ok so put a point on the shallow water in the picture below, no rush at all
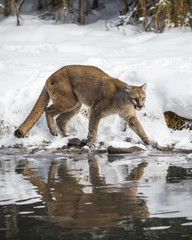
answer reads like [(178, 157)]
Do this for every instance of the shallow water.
[(57, 195)]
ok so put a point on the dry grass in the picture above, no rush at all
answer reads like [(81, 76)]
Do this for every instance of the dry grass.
[(158, 14), (177, 122)]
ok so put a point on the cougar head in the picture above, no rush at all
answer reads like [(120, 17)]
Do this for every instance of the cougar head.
[(137, 96)]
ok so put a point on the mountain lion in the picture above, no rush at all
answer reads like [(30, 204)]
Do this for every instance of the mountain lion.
[(72, 86)]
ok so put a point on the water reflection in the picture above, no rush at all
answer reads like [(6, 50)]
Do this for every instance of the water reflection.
[(92, 196), (176, 174), (84, 201)]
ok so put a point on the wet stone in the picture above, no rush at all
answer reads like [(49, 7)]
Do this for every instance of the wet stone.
[(75, 142), (114, 150), (35, 150)]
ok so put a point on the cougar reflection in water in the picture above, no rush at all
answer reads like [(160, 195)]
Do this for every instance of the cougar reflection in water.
[(92, 200)]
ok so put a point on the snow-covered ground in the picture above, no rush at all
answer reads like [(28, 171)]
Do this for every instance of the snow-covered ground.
[(32, 52)]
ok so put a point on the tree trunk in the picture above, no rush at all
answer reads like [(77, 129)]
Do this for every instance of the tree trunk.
[(21, 4), (7, 10), (126, 6), (143, 6), (79, 12), (95, 4), (65, 6), (87, 8), (83, 11), (40, 5), (53, 3), (81, 15), (16, 10)]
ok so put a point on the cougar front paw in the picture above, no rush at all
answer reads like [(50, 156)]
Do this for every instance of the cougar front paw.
[(153, 144), (90, 144)]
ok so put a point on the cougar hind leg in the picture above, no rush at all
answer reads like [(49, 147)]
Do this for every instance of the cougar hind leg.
[(64, 101), (66, 113), (50, 112), (64, 118)]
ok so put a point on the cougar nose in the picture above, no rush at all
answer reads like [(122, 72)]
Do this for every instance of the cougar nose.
[(139, 107)]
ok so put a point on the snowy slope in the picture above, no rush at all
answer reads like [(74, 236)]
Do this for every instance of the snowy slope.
[(30, 53)]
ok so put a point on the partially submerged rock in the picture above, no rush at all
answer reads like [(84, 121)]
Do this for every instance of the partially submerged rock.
[(75, 142), (78, 144), (35, 150), (116, 150)]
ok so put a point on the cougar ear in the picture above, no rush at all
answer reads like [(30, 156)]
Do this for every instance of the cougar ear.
[(127, 88), (143, 87)]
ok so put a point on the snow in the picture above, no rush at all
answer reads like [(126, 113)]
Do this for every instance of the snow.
[(32, 52)]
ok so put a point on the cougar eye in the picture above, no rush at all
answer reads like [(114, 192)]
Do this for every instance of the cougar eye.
[(143, 98), (135, 99)]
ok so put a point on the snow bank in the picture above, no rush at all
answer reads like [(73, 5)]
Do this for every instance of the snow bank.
[(30, 53)]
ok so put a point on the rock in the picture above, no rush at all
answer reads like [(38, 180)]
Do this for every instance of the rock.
[(84, 141), (35, 150), (115, 157), (19, 146), (74, 142), (114, 150)]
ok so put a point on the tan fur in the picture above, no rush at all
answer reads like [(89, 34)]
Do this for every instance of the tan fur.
[(72, 86)]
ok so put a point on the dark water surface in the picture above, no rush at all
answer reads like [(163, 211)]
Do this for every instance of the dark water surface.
[(55, 195)]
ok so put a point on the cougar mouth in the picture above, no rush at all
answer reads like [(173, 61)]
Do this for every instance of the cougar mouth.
[(137, 108)]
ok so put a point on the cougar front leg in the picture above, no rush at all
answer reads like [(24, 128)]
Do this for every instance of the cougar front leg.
[(136, 126)]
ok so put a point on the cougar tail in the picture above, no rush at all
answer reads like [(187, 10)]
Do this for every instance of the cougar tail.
[(34, 115)]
